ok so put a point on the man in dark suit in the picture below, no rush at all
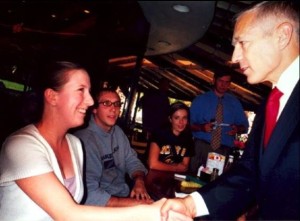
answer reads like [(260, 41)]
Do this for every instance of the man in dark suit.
[(266, 45)]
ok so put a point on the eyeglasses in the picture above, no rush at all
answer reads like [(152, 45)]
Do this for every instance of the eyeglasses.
[(109, 103)]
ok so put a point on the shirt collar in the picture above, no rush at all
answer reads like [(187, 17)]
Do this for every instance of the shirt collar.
[(95, 127), (289, 78)]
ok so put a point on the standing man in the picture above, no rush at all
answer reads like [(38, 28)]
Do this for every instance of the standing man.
[(266, 45), (109, 157), (204, 122)]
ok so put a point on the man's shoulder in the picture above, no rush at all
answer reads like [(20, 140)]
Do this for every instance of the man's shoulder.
[(204, 96), (84, 133), (231, 97), (119, 132), (118, 129)]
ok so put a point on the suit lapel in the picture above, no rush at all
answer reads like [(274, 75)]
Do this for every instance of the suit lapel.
[(284, 128)]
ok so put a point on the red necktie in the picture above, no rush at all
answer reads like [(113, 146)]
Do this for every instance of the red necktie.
[(271, 113)]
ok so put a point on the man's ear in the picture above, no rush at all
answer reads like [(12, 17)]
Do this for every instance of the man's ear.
[(50, 96), (284, 32)]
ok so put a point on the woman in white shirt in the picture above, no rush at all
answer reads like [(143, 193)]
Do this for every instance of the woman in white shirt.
[(41, 164)]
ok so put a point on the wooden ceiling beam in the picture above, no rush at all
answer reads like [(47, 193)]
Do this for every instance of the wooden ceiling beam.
[(206, 75)]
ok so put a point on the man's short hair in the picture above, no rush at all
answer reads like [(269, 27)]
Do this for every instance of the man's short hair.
[(219, 74)]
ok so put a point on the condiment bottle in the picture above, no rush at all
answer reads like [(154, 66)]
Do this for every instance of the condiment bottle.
[(214, 174), (229, 163)]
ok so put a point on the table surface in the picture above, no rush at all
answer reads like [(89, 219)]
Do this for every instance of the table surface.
[(162, 184)]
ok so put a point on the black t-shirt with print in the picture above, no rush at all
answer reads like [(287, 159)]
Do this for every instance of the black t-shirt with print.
[(173, 148)]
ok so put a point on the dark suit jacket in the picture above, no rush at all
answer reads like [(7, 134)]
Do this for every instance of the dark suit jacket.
[(269, 178)]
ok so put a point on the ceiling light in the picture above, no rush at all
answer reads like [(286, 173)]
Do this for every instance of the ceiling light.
[(181, 8), (150, 49), (164, 43)]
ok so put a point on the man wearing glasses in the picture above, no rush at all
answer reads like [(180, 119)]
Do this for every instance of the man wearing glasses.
[(109, 157)]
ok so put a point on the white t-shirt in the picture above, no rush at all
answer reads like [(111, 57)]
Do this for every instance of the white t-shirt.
[(26, 153)]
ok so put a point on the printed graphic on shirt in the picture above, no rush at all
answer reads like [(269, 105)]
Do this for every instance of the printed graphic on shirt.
[(172, 154), (108, 159), (109, 164)]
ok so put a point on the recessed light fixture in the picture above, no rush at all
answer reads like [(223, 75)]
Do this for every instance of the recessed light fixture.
[(86, 11), (181, 8), (164, 43), (150, 49)]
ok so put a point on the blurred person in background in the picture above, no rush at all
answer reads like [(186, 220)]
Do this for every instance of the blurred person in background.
[(109, 157), (203, 118), (171, 147)]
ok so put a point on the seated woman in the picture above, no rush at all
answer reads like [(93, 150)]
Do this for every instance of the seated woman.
[(170, 148), (41, 164)]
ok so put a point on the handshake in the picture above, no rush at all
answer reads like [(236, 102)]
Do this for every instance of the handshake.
[(177, 209)]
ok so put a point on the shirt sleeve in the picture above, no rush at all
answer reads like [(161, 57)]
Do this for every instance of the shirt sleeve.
[(241, 118), (201, 208), (132, 161), (17, 157), (194, 111)]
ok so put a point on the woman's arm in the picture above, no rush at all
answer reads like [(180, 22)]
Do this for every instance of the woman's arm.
[(154, 163), (48, 193), (185, 164)]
